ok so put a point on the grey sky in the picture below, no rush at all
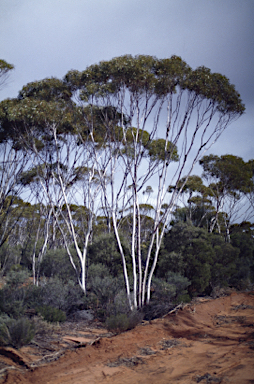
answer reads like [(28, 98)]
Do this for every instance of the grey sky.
[(48, 38)]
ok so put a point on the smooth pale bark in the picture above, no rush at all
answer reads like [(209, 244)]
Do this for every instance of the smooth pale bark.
[(36, 261), (69, 220)]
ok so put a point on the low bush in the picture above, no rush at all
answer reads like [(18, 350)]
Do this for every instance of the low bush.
[(51, 314), (103, 289), (65, 296), (16, 277), (118, 323), (184, 298), (43, 328), (16, 333), (13, 293), (181, 285), (12, 308), (123, 322), (56, 264)]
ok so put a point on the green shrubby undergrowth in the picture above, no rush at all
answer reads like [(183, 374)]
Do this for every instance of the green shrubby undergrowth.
[(16, 332), (192, 262)]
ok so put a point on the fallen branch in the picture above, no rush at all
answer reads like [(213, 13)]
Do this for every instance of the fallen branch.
[(176, 309)]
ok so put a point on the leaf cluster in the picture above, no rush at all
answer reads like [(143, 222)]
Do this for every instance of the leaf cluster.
[(230, 172), (148, 75)]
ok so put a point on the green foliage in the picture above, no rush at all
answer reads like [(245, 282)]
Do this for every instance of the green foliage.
[(224, 265), (230, 173), (47, 89), (199, 256), (13, 308), (5, 68), (42, 327), (63, 297), (10, 258), (16, 333), (163, 291), (51, 314), (12, 295), (16, 278), (58, 294), (104, 250), (242, 238), (158, 150), (32, 296), (118, 323), (166, 292), (102, 284), (180, 284), (25, 121), (107, 295), (215, 87), (123, 322), (204, 259), (189, 253), (56, 264), (147, 74)]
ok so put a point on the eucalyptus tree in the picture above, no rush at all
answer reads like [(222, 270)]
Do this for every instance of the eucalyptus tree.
[(12, 164), (5, 69), (13, 230), (230, 182), (250, 193), (47, 128), (158, 117), (194, 205), (41, 216)]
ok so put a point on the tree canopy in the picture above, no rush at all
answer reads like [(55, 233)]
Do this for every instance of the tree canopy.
[(5, 69)]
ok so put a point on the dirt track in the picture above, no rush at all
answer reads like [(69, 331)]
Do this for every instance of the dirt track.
[(209, 341)]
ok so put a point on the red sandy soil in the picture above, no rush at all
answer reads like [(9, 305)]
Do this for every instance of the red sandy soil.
[(208, 341)]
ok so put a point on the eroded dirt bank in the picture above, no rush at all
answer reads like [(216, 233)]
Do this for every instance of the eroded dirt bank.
[(209, 341)]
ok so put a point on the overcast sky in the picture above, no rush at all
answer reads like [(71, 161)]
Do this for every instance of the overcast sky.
[(50, 37)]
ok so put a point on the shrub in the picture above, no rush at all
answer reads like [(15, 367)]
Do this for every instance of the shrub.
[(161, 299), (16, 332), (56, 263), (13, 308), (12, 295), (181, 284), (120, 304), (16, 278), (15, 299), (165, 294), (32, 296), (11, 302), (123, 322), (42, 327), (104, 288), (104, 250), (184, 298), (118, 323), (64, 296), (51, 314), (9, 257)]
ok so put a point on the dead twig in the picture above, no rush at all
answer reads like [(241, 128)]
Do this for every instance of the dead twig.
[(176, 309)]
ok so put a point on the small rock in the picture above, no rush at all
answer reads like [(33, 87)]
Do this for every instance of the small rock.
[(86, 315)]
